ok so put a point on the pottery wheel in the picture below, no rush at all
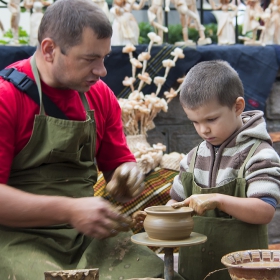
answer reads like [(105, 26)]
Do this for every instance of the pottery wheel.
[(143, 239)]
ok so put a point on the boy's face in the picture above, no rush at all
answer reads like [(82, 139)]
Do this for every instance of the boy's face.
[(214, 122)]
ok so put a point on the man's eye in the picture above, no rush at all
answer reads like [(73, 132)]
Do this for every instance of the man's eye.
[(89, 60)]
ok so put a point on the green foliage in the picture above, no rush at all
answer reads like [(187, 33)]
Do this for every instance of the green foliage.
[(175, 33), (240, 32), (211, 32), (145, 28), (23, 37)]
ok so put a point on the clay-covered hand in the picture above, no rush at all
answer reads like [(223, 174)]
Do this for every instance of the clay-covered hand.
[(200, 203), (138, 219), (96, 217), (126, 182)]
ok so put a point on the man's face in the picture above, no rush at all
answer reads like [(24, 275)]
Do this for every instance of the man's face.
[(213, 122), (82, 65)]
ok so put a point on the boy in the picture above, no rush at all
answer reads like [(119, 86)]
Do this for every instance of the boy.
[(231, 179)]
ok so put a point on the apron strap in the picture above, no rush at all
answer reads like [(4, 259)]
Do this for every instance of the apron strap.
[(84, 100), (38, 82), (191, 167), (252, 150)]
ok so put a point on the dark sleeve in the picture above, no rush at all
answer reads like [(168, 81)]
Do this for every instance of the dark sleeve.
[(270, 200)]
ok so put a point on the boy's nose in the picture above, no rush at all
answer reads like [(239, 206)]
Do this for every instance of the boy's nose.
[(204, 129)]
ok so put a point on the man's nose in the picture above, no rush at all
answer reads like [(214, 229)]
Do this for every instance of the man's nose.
[(100, 70)]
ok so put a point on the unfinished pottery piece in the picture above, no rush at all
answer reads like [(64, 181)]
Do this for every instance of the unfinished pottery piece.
[(78, 274), (166, 223), (253, 264)]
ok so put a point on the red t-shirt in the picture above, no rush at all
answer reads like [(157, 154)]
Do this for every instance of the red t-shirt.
[(17, 112)]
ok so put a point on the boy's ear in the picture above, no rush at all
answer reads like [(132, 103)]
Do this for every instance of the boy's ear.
[(239, 105)]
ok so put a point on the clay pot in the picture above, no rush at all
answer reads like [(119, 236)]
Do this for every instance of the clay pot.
[(167, 223), (253, 264)]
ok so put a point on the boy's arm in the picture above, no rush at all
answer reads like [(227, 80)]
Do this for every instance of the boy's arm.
[(249, 210)]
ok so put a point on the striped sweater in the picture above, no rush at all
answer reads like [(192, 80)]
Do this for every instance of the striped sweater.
[(216, 168)]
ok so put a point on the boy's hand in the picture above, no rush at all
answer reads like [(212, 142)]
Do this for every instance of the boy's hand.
[(200, 203), (138, 219)]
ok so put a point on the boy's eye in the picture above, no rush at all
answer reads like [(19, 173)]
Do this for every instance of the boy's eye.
[(211, 120)]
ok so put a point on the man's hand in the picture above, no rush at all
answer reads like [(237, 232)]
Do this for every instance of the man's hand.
[(97, 218), (200, 203), (126, 182)]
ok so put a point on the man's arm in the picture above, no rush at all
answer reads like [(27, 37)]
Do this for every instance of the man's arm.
[(92, 216)]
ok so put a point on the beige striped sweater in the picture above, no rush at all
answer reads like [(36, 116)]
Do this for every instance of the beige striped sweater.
[(262, 171)]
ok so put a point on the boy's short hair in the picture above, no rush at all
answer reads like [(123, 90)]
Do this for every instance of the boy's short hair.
[(210, 80), (65, 20)]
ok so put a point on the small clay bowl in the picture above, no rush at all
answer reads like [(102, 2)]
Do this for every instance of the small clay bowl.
[(166, 223), (253, 264)]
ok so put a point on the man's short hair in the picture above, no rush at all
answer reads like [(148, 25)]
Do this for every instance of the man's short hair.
[(65, 20), (210, 80)]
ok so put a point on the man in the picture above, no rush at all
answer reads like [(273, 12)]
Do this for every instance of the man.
[(49, 218)]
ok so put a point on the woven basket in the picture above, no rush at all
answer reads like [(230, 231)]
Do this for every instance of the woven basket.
[(134, 141)]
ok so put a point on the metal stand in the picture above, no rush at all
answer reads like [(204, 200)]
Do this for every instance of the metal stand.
[(168, 245), (168, 264)]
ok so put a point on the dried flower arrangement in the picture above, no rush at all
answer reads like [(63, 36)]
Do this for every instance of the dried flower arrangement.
[(139, 110)]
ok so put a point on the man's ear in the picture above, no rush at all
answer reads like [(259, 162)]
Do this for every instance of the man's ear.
[(48, 49), (239, 105)]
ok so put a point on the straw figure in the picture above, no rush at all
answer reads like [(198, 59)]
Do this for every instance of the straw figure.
[(125, 27), (2, 27), (226, 29), (155, 16), (14, 8), (35, 20), (271, 17), (189, 17), (104, 6), (253, 14)]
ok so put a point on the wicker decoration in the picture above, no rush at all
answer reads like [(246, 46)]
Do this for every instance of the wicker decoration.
[(171, 161)]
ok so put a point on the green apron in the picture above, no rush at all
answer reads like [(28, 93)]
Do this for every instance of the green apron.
[(59, 160), (224, 233)]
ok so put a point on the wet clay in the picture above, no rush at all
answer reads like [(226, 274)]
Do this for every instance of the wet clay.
[(166, 223), (80, 274)]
